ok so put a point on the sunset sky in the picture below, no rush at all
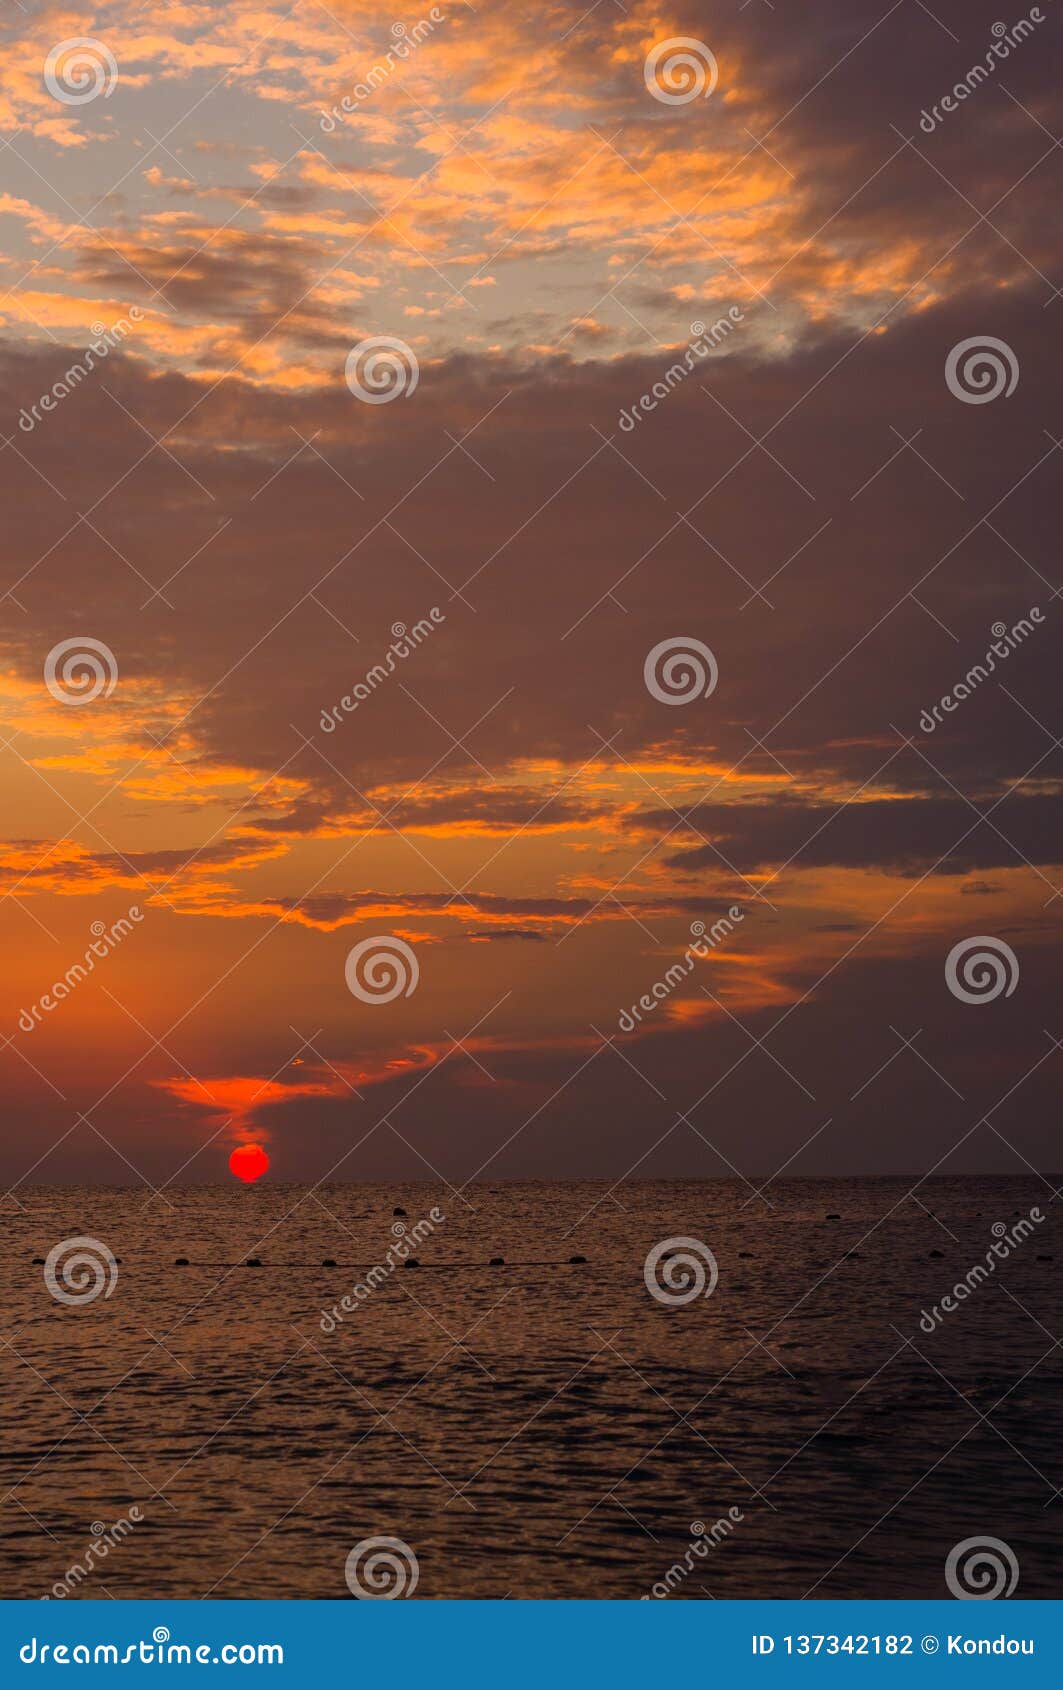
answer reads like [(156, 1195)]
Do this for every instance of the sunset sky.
[(216, 506)]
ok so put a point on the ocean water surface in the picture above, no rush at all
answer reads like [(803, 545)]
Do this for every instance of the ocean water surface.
[(537, 1427)]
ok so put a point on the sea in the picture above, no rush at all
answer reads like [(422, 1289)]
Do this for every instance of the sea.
[(675, 1391)]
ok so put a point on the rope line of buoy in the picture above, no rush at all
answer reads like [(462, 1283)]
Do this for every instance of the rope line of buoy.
[(367, 1267), (362, 1267)]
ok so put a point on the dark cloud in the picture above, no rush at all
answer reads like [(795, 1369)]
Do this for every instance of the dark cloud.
[(521, 934), (879, 593), (902, 835)]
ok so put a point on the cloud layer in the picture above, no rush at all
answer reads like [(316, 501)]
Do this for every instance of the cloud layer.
[(382, 668)]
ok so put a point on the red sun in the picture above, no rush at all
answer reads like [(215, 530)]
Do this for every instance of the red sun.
[(248, 1162)]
